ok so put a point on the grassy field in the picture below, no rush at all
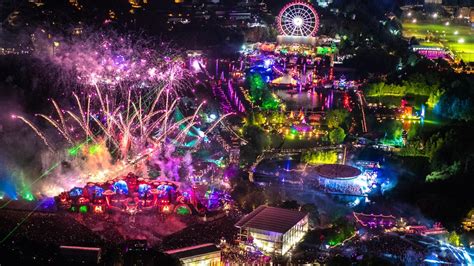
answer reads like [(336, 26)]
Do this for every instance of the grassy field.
[(449, 37)]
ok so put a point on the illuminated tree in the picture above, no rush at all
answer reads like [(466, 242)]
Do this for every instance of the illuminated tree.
[(320, 157), (337, 135), (335, 118), (434, 98), (256, 87), (260, 94), (444, 173), (454, 239)]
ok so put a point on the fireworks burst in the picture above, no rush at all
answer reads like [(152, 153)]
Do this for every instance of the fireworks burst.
[(125, 130), (119, 63)]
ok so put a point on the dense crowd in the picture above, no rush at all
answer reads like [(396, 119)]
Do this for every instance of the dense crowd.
[(200, 233), (235, 255), (391, 247), (34, 237)]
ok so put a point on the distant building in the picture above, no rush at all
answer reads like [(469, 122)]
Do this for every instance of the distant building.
[(463, 12), (323, 3), (433, 2), (239, 15), (273, 230), (205, 254)]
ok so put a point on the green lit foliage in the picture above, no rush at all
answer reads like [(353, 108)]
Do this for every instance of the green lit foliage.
[(454, 239), (427, 148), (444, 173), (343, 230), (260, 94), (325, 50), (434, 98), (270, 102), (277, 118), (416, 84), (256, 87), (256, 118), (335, 118), (337, 135), (320, 157)]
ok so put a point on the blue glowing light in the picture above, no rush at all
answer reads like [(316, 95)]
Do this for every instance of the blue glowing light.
[(267, 63), (75, 192), (98, 191), (120, 187), (8, 190)]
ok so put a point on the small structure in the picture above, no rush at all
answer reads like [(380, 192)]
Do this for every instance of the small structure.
[(81, 255), (273, 230), (375, 221), (205, 254)]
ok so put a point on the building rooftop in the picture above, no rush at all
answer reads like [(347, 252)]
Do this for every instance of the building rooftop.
[(193, 251), (271, 219)]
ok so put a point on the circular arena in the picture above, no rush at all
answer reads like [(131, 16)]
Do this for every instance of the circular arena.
[(339, 179), (337, 171)]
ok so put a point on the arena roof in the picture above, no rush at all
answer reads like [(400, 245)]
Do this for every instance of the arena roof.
[(337, 171), (271, 219), (193, 251)]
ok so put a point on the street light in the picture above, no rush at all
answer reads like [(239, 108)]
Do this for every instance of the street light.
[(435, 15), (413, 20), (461, 40)]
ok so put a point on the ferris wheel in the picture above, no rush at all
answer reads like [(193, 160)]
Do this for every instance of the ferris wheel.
[(298, 19)]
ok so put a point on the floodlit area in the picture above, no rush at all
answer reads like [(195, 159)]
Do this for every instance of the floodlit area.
[(457, 38)]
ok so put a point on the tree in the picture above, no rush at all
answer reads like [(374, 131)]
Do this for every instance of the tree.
[(337, 135), (320, 157), (434, 98), (454, 239), (260, 94), (336, 117), (257, 137), (444, 173), (256, 87)]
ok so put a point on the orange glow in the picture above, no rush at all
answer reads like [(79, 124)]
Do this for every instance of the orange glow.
[(98, 209)]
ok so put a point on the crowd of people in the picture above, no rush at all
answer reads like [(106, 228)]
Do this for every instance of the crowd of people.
[(236, 255), (200, 233), (391, 247), (33, 237)]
